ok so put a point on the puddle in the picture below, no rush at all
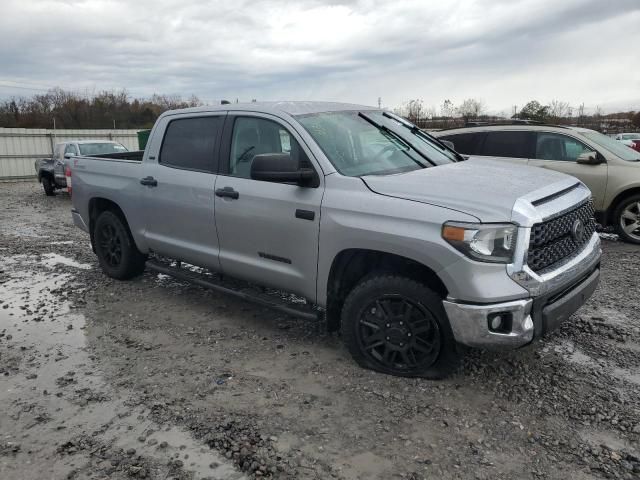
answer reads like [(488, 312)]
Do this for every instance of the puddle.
[(180, 445), (56, 375), (53, 259)]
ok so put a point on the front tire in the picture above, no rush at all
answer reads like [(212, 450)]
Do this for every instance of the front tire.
[(48, 187), (398, 326), (627, 219), (117, 252)]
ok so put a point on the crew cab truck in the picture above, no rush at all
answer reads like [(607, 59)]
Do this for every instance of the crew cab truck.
[(411, 252)]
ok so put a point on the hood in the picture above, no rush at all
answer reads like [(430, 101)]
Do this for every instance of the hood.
[(486, 189)]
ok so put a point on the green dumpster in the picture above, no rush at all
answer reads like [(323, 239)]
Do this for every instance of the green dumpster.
[(143, 136)]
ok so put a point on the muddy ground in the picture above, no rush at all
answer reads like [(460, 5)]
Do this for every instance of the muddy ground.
[(154, 378)]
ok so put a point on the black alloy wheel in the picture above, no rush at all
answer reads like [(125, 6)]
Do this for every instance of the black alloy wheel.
[(398, 333)]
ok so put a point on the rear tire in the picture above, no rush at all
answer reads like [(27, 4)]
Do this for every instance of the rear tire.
[(627, 216), (48, 187), (117, 252), (398, 326)]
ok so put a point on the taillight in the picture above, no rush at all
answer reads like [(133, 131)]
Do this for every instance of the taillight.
[(67, 175)]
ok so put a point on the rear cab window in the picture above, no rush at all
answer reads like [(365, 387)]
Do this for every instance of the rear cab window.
[(190, 143)]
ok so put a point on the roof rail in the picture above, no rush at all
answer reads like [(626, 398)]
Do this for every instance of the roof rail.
[(473, 124)]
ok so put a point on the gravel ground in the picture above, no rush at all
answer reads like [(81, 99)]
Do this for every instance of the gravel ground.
[(156, 378)]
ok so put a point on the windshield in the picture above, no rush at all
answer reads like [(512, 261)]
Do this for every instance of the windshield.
[(100, 148), (631, 136), (614, 146), (356, 146)]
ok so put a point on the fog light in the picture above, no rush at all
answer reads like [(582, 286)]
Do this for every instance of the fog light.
[(500, 322)]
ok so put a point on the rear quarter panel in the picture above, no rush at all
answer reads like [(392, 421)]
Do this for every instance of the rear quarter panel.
[(114, 180)]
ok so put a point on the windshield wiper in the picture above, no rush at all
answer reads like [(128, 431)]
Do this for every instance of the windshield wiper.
[(387, 132), (416, 131)]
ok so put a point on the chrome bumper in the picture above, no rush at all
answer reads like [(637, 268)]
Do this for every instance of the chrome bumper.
[(470, 324), (78, 221)]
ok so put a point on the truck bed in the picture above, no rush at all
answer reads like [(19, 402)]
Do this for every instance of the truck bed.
[(116, 179), (135, 155)]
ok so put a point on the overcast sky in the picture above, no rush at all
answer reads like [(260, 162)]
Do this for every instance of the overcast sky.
[(504, 52)]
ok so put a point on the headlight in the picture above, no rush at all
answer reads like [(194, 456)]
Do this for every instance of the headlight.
[(489, 242)]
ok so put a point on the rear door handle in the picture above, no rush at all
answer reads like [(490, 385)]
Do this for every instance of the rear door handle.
[(228, 192), (149, 181)]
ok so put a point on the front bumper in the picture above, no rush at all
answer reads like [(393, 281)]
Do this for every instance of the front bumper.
[(554, 298)]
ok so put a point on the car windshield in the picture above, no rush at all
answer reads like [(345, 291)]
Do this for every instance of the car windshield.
[(100, 148), (614, 146), (367, 143), (631, 136)]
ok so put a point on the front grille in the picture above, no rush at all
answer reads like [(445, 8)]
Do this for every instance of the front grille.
[(553, 241)]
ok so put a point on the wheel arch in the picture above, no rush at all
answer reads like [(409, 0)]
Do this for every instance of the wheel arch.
[(97, 205), (351, 265)]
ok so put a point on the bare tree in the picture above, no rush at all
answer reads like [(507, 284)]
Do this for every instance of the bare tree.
[(412, 110), (559, 109), (471, 108)]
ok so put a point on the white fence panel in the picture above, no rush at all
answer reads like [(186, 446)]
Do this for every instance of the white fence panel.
[(20, 147)]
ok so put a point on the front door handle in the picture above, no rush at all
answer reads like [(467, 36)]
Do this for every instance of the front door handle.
[(228, 192), (149, 181)]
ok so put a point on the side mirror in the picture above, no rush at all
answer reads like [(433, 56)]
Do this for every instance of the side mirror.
[(280, 168), (68, 155), (589, 158), (449, 144)]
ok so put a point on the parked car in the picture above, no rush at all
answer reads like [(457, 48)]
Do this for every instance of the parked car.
[(407, 249), (628, 139), (51, 170), (610, 169)]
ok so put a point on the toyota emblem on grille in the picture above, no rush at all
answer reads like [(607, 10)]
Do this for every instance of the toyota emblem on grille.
[(577, 230)]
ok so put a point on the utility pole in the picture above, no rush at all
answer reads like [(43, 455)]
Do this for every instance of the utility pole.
[(114, 123), (379, 102)]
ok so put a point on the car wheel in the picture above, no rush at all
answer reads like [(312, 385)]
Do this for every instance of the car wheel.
[(48, 187), (398, 326), (627, 219), (117, 252)]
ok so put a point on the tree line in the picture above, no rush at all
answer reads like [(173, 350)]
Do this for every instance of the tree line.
[(114, 109), (473, 110)]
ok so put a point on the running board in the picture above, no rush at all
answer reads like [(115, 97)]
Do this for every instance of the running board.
[(304, 311)]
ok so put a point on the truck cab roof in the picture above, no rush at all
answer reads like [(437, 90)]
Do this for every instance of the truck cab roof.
[(290, 108)]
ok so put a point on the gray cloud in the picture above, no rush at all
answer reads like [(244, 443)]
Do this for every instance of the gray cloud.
[(502, 51)]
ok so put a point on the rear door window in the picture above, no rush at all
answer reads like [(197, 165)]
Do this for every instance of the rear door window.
[(466, 143), (190, 143), (513, 144)]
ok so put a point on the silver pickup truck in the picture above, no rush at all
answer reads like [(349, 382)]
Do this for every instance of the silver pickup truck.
[(405, 248)]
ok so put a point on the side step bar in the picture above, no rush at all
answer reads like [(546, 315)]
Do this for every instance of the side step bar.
[(264, 300)]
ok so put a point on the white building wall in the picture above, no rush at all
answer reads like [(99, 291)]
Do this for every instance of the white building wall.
[(20, 147)]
